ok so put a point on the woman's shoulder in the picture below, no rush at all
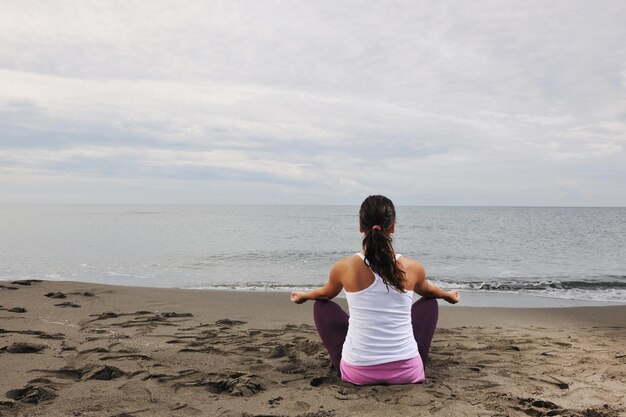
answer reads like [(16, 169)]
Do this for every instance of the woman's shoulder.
[(343, 269), (347, 262), (346, 267), (412, 266)]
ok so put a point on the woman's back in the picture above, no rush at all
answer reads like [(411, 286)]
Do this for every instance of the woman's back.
[(380, 328)]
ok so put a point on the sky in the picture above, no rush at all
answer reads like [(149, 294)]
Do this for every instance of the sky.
[(313, 102)]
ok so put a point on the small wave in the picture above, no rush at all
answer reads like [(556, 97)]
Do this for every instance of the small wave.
[(611, 288), (259, 286), (589, 290), (519, 285)]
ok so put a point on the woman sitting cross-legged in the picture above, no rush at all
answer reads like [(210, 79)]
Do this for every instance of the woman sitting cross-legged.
[(386, 337)]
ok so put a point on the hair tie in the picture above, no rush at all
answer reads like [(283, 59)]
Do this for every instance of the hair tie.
[(376, 227)]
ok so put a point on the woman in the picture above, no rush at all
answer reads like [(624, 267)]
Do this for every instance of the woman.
[(386, 338)]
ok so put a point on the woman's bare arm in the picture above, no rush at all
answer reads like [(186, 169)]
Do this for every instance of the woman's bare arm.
[(427, 289), (332, 288)]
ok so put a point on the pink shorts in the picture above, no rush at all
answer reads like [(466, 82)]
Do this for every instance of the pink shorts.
[(407, 371)]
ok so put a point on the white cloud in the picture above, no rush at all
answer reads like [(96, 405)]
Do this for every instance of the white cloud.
[(438, 102)]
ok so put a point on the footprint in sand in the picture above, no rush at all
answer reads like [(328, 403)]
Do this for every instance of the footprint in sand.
[(170, 314), (83, 293), (202, 349), (236, 384), (68, 304), (63, 373), (55, 295), (231, 413), (99, 349), (33, 393), (23, 348), (290, 368), (14, 309), (105, 373), (275, 401), (226, 323), (534, 407), (40, 334), (162, 377), (25, 281), (144, 318), (320, 380), (280, 351), (8, 287), (90, 372), (129, 356)]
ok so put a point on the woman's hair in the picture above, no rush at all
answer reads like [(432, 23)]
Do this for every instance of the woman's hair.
[(376, 217)]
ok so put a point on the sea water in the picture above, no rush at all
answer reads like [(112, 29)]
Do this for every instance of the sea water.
[(567, 253)]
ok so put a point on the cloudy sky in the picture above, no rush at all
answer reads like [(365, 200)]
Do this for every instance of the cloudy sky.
[(313, 102)]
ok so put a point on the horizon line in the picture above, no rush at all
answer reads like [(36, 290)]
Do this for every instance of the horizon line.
[(304, 204)]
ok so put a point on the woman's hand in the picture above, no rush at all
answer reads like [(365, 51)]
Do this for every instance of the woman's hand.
[(452, 297), (298, 297)]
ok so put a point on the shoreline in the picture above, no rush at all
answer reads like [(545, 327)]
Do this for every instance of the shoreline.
[(104, 350), (470, 297)]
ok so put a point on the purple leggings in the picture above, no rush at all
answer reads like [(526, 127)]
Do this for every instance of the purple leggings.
[(332, 325)]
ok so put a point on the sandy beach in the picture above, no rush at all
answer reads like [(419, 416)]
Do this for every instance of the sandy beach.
[(78, 349)]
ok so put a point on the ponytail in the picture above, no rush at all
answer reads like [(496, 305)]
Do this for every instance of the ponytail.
[(377, 217)]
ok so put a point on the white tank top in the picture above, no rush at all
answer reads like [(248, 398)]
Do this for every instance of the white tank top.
[(379, 329)]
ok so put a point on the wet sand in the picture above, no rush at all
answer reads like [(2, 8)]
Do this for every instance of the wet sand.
[(77, 349)]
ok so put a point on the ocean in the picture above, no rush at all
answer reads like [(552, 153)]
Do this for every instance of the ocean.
[(557, 252)]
